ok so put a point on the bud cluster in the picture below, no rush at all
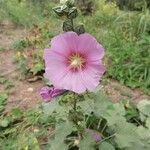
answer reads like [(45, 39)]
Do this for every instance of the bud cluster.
[(68, 10)]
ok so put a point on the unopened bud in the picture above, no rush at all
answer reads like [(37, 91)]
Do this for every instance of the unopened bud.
[(69, 3)]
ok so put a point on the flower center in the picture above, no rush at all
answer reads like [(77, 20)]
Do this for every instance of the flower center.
[(77, 61)]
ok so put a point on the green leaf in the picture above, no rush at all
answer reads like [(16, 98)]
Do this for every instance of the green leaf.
[(87, 143), (3, 98), (148, 122), (60, 10), (80, 29), (126, 136), (106, 146), (72, 13), (54, 106), (144, 107), (50, 107), (28, 141), (143, 133), (17, 113), (69, 3), (67, 26), (62, 130), (101, 103), (114, 114), (37, 68), (87, 106)]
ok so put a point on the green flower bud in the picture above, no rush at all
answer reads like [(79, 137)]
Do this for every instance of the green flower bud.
[(69, 3)]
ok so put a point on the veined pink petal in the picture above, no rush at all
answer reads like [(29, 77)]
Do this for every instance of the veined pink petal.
[(91, 76), (76, 82), (65, 43), (90, 46)]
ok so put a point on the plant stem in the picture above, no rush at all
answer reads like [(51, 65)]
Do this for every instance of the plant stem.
[(75, 104), (145, 6), (111, 136), (72, 24), (75, 109)]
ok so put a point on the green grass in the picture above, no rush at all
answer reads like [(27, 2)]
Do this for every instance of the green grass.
[(127, 43), (25, 13)]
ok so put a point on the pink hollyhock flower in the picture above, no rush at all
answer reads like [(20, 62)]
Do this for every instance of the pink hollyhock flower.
[(74, 62), (48, 93)]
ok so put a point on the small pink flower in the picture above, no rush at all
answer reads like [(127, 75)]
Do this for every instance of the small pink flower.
[(95, 135), (48, 93), (74, 62)]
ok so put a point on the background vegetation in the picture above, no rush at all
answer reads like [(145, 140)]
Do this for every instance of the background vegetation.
[(124, 34), (121, 26)]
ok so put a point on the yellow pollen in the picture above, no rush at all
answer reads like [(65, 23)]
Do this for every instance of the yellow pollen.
[(76, 61)]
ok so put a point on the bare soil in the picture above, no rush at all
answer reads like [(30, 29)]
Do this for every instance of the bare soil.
[(21, 93), (24, 94), (118, 92)]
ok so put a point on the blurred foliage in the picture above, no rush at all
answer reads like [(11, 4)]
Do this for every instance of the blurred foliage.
[(24, 130), (121, 126), (96, 112), (87, 7), (124, 35), (29, 51), (127, 126), (19, 11), (3, 99), (131, 4)]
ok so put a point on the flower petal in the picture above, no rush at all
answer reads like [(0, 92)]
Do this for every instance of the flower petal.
[(65, 43), (91, 76), (90, 46)]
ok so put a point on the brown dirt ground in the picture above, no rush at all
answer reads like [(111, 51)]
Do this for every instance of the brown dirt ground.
[(118, 92), (24, 94)]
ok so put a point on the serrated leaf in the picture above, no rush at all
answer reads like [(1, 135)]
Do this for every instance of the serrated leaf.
[(101, 103), (126, 136), (106, 146), (50, 107), (62, 130), (114, 114), (54, 106)]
